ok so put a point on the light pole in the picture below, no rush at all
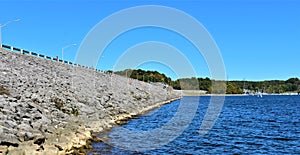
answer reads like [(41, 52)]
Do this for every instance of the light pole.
[(62, 50), (126, 74), (2, 25), (127, 79)]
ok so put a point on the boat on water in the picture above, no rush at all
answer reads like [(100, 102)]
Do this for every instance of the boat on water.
[(259, 94)]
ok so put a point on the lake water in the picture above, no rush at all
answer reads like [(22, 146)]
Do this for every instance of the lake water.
[(246, 125)]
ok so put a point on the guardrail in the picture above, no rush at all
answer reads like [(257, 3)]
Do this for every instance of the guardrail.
[(25, 52)]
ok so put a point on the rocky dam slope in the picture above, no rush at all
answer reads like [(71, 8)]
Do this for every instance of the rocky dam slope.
[(47, 107)]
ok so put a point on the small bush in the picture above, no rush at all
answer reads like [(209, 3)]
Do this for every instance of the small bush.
[(4, 91), (75, 111), (58, 103)]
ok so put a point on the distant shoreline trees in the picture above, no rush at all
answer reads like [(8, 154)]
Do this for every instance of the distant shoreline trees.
[(233, 87)]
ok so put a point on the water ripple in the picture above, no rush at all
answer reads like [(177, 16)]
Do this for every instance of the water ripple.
[(247, 125)]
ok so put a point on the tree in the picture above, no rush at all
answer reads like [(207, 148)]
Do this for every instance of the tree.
[(292, 80)]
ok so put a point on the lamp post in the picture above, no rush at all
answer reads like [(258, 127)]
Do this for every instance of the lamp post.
[(62, 50), (5, 24), (127, 79), (126, 74)]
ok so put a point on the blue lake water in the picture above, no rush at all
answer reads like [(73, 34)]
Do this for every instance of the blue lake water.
[(246, 125)]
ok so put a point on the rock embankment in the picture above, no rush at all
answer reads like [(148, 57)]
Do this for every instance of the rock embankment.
[(47, 107)]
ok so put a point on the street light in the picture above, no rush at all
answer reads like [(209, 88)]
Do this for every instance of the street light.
[(5, 24), (62, 50), (126, 73)]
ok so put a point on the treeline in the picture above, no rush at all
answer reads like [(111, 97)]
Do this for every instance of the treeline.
[(146, 76), (271, 86), (232, 87)]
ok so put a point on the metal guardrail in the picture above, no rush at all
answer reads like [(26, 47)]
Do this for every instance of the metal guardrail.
[(25, 52)]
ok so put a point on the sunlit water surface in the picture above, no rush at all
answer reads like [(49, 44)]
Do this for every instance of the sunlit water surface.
[(246, 125)]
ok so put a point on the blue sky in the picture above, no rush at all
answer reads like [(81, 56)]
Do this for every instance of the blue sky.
[(258, 39)]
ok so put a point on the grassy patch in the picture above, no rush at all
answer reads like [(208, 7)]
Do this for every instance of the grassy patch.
[(74, 111), (59, 104)]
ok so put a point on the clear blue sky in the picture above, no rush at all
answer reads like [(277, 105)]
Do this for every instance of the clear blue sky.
[(258, 39)]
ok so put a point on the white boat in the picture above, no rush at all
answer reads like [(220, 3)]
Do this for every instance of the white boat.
[(259, 94)]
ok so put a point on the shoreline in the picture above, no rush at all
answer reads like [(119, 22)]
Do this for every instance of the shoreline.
[(119, 120), (123, 120)]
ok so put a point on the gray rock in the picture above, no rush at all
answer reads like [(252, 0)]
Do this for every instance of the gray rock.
[(27, 94), (34, 96), (36, 116), (37, 124), (9, 138), (11, 99), (10, 123), (24, 127), (46, 95)]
